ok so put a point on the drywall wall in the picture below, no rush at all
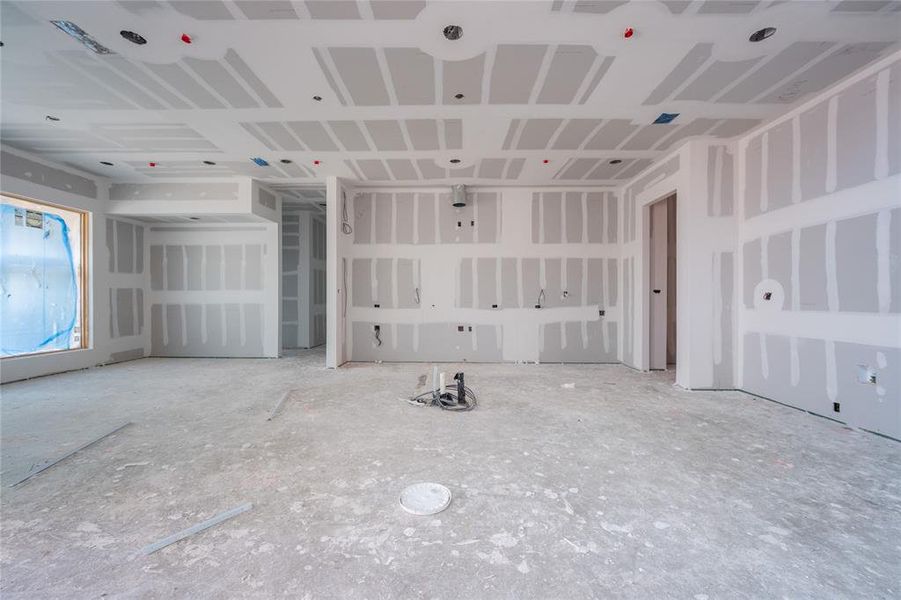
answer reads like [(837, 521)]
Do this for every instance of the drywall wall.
[(116, 270), (516, 275), (338, 237), (820, 254), (214, 290), (303, 276)]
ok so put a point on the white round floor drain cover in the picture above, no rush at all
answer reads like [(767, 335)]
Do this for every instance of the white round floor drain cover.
[(425, 498)]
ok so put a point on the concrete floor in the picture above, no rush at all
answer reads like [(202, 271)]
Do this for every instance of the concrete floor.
[(623, 487)]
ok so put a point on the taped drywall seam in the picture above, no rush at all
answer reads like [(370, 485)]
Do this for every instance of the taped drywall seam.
[(796, 159), (476, 215), (832, 144), (542, 275), (438, 237), (458, 289), (585, 335), (222, 269), (164, 323), (164, 269), (831, 272), (184, 324), (584, 233), (417, 198), (374, 280), (474, 272), (475, 338), (184, 269), (204, 336), (765, 274), (717, 309), (540, 218), (882, 124), (883, 260), (498, 275), (519, 287), (764, 172), (499, 217), (795, 359), (563, 230), (204, 284), (416, 338), (831, 372), (373, 217), (223, 325), (394, 283), (718, 181), (394, 336), (394, 218)]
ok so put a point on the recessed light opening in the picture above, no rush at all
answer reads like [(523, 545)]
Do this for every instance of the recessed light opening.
[(762, 34), (317, 98), (194, 218), (134, 38), (106, 163), (458, 96), (286, 161), (51, 118), (615, 161), (453, 32), (455, 161), (209, 162)]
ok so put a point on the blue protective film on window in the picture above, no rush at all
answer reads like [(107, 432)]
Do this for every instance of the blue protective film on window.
[(38, 282)]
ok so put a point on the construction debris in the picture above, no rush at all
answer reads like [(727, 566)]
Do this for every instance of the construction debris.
[(278, 405), (177, 537)]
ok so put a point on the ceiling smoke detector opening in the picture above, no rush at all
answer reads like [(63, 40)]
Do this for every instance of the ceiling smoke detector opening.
[(762, 34), (453, 32), (134, 38)]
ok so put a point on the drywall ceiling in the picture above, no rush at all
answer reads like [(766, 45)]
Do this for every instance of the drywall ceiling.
[(552, 80)]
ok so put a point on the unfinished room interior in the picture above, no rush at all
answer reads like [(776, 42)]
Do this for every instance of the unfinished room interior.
[(516, 299)]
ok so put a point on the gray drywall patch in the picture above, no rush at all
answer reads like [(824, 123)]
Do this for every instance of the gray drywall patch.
[(612, 281), (175, 268), (139, 300), (349, 135), (574, 133), (156, 267), (329, 9), (449, 217), (284, 140), (530, 284), (426, 218), (779, 166), (386, 135), (611, 135), (125, 246), (594, 287), (578, 168), (730, 7), (574, 282), (612, 217), (536, 208), (573, 207), (407, 275), (403, 228), (139, 249), (856, 134), (648, 136), (752, 270), (361, 282), (689, 64), (453, 134), (290, 311), (402, 169), (487, 278), (362, 206), (491, 168), (856, 264), (814, 128), (384, 277), (245, 72), (413, 75), (373, 169), (362, 76), (125, 313), (314, 135), (552, 217), (253, 330), (722, 369), (194, 327), (514, 73), (594, 204), (13, 165), (753, 170), (812, 268), (221, 80), (233, 266), (464, 284), (788, 61), (715, 78), (253, 259), (536, 133), (509, 283), (289, 285), (110, 241), (463, 77), (488, 207), (553, 284), (895, 260), (214, 267), (383, 206), (779, 265), (568, 70), (894, 119), (423, 133)]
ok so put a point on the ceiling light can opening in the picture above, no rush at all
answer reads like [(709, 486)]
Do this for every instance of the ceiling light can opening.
[(615, 161), (134, 38), (458, 96), (455, 161), (762, 34), (286, 161), (453, 32), (317, 98), (106, 163), (51, 118), (209, 162)]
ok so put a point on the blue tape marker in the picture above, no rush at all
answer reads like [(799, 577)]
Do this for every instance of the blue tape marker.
[(665, 118), (260, 162)]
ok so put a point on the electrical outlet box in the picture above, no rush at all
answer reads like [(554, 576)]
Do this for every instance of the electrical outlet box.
[(376, 305), (377, 328), (460, 328), (836, 407), (494, 306), (537, 306), (768, 295), (601, 312), (565, 294)]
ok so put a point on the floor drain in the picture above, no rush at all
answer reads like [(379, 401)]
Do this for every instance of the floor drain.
[(425, 498)]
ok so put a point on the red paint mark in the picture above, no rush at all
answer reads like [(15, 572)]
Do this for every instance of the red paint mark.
[(153, 164), (629, 32), (316, 162), (545, 161), (186, 38)]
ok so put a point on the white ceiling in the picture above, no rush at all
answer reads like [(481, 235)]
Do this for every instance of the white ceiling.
[(550, 80)]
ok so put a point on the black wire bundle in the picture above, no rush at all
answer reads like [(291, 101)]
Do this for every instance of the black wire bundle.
[(448, 400)]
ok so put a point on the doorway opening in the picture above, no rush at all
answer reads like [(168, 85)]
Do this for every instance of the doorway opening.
[(662, 284)]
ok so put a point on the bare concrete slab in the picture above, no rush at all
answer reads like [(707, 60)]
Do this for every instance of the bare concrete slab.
[(622, 486)]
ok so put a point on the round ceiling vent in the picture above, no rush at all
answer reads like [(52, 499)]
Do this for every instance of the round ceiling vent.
[(762, 34), (134, 38), (453, 32)]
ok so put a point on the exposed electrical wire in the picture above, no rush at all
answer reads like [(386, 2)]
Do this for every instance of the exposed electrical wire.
[(450, 400), (417, 298), (541, 296), (378, 336), (345, 224), (344, 286)]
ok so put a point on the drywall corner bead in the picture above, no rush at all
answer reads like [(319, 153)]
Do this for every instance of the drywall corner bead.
[(19, 167)]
